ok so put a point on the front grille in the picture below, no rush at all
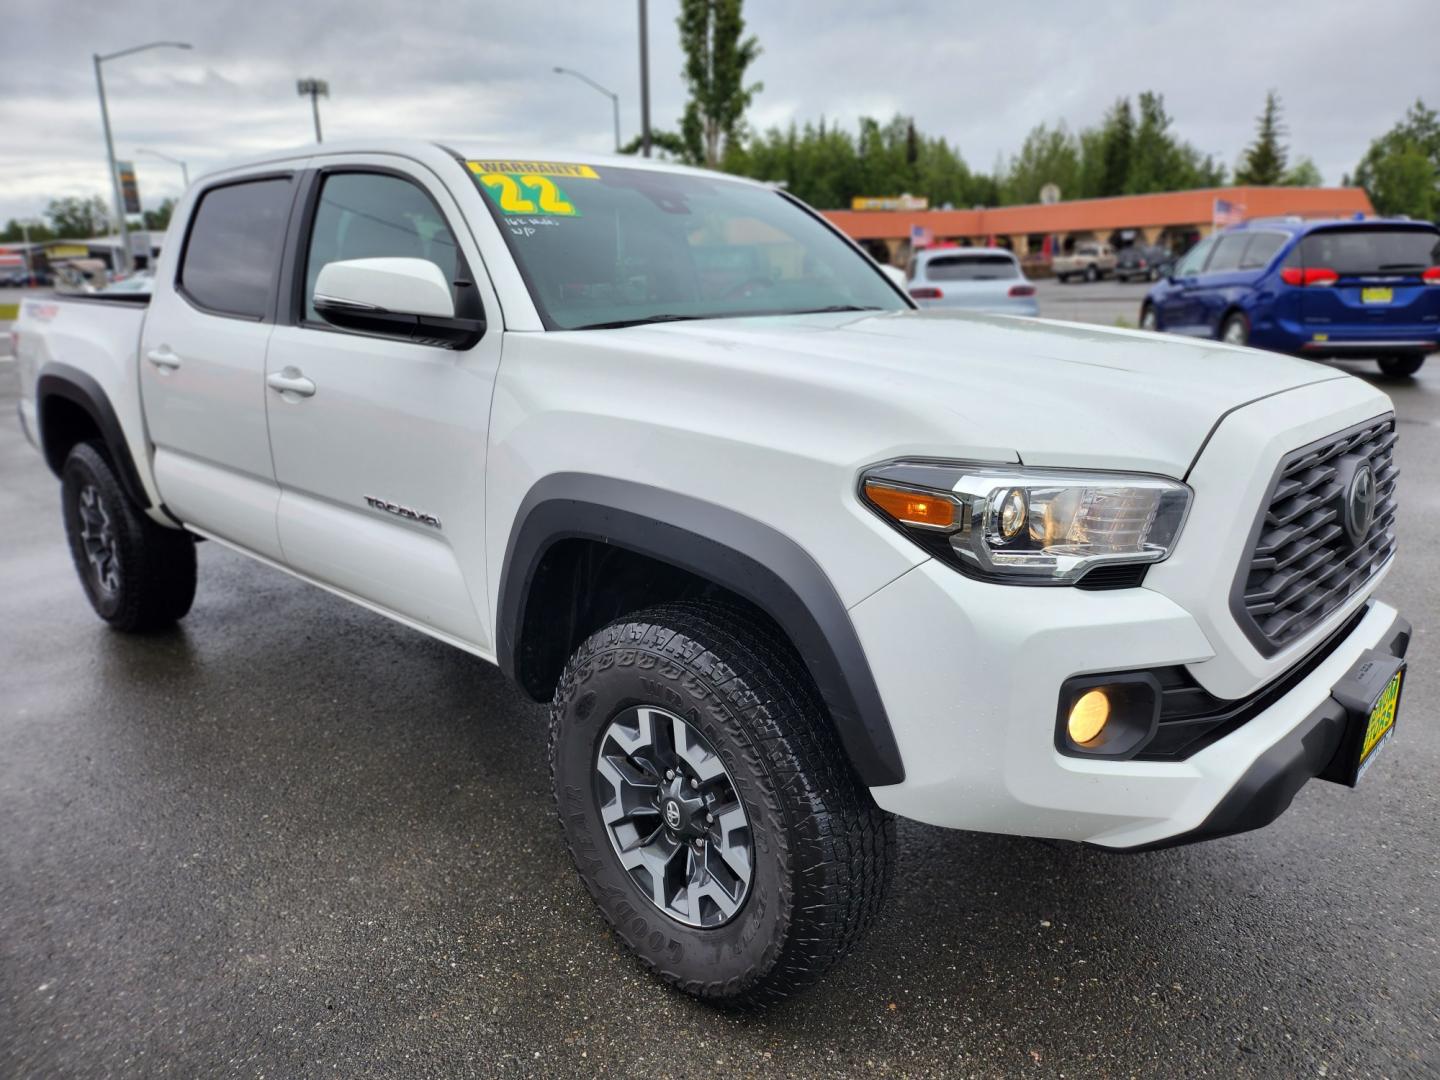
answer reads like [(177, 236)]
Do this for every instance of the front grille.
[(1302, 562)]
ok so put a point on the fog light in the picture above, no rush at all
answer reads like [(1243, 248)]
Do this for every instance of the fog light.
[(1088, 716)]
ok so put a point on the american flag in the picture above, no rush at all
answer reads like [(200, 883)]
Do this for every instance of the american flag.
[(921, 236), (1225, 213)]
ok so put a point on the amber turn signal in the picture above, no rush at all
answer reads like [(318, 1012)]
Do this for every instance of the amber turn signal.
[(912, 507)]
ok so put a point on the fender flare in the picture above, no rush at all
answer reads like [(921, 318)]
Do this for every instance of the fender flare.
[(743, 555), (59, 380)]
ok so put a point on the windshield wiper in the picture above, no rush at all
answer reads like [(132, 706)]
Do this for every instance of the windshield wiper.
[(618, 323), (832, 307), (1402, 266)]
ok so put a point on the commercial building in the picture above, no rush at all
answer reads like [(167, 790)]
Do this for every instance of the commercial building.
[(1173, 219)]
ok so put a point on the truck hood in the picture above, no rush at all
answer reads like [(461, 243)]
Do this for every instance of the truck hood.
[(989, 387)]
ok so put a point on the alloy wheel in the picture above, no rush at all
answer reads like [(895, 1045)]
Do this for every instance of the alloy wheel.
[(97, 534), (674, 816)]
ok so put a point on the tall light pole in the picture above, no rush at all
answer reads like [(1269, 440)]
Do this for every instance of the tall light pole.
[(316, 89), (110, 141), (614, 97), (184, 169), (644, 84), (29, 255)]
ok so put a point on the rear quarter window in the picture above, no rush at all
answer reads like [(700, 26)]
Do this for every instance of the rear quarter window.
[(232, 253)]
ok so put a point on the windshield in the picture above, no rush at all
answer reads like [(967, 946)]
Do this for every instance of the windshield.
[(602, 247)]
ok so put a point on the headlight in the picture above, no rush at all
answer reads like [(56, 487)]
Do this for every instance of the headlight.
[(1029, 526)]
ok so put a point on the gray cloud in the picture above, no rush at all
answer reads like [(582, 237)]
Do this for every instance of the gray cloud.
[(981, 74)]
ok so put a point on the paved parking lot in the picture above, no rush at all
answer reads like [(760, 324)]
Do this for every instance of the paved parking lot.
[(291, 838)]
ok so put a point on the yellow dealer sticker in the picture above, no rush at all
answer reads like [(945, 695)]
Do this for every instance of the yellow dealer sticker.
[(529, 187), (557, 169)]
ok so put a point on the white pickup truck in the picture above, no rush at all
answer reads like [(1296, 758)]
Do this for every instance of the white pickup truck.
[(785, 555)]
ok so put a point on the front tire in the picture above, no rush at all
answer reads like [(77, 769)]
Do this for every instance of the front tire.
[(1400, 367), (1148, 319), (137, 575), (708, 806)]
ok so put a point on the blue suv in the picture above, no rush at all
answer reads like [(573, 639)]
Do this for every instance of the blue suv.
[(1350, 288)]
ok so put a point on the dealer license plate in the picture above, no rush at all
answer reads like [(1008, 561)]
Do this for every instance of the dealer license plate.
[(1381, 723)]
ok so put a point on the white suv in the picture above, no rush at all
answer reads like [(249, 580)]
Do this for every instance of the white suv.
[(784, 555)]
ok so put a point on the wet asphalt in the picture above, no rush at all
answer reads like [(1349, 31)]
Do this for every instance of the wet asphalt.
[(293, 839)]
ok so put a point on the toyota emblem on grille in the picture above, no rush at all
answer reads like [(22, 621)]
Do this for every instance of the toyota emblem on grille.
[(1359, 509)]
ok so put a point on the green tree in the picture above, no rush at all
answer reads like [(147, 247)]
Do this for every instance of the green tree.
[(1117, 141), (1401, 169), (1263, 163), (158, 220), (1048, 156), (716, 58), (14, 234), (74, 218), (1304, 173), (1156, 160)]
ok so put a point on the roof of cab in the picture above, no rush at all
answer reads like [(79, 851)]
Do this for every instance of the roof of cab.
[(461, 150), (1298, 225)]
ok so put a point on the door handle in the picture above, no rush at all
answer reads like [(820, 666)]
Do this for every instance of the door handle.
[(163, 358), (290, 381)]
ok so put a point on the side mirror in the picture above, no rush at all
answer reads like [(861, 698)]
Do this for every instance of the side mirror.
[(400, 298)]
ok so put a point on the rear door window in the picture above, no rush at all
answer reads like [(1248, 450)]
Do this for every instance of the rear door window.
[(1361, 252), (971, 268), (1227, 253), (1261, 249), (232, 255)]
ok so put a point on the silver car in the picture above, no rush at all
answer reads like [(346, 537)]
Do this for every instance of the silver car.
[(975, 279)]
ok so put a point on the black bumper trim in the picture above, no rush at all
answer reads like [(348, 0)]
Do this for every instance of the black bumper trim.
[(1266, 789)]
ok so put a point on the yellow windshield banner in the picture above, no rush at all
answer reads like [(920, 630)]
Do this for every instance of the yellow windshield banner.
[(556, 169)]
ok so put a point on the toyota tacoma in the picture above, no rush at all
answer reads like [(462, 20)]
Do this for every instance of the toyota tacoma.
[(785, 556)]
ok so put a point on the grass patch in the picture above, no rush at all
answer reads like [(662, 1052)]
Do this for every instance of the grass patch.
[(9, 312), (1124, 323)]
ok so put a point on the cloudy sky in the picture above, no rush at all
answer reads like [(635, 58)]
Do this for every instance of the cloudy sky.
[(980, 73)]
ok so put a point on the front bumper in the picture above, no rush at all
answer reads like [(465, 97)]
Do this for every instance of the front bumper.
[(976, 729)]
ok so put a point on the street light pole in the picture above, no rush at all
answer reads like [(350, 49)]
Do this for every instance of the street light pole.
[(644, 84), (29, 255), (184, 169), (614, 97), (315, 88), (110, 141)]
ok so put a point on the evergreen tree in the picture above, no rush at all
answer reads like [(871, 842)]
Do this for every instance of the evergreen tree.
[(1263, 163)]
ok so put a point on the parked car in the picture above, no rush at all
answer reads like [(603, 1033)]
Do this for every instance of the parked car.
[(1143, 262), (783, 555), (1347, 288), (1089, 260), (975, 279)]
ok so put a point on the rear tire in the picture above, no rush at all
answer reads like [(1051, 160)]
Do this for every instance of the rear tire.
[(1400, 367), (1235, 330), (137, 575), (817, 850), (1091, 273)]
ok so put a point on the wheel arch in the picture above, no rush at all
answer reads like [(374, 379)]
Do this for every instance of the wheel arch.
[(684, 540), (71, 407)]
